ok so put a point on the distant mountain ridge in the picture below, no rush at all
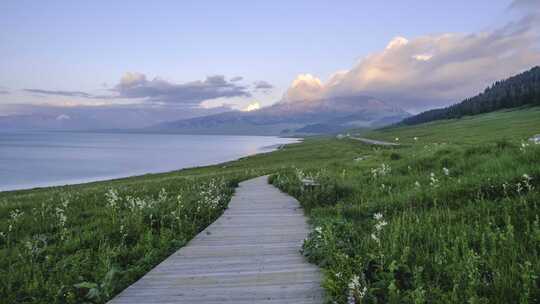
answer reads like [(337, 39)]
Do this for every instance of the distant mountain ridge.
[(298, 117), (35, 117), (520, 90)]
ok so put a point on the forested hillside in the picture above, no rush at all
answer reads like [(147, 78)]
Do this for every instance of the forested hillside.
[(519, 90)]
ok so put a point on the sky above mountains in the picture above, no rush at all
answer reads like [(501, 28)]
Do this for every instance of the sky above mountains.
[(187, 55)]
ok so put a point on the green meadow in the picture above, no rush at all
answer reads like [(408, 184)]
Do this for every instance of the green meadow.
[(449, 216)]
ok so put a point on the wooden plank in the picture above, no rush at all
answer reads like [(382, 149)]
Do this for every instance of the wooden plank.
[(249, 255)]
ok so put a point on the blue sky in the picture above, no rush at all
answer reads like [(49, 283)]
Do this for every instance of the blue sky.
[(89, 45)]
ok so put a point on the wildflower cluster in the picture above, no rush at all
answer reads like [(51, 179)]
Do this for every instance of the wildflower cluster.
[(317, 237), (300, 175), (14, 215), (212, 195), (446, 171), (383, 170), (320, 243), (379, 225), (356, 290), (433, 180), (178, 211), (136, 204), (527, 182), (524, 184), (61, 217), (113, 198)]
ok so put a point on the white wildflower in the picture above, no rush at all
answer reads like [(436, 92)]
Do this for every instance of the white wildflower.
[(112, 198), (434, 182), (162, 196), (16, 214), (524, 146), (446, 171), (356, 290), (300, 174), (505, 188), (123, 233), (383, 170), (380, 225), (527, 181)]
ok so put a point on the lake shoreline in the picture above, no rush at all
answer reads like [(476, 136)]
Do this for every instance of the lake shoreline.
[(87, 181)]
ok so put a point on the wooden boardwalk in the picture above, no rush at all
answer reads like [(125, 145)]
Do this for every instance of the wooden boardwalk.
[(249, 255)]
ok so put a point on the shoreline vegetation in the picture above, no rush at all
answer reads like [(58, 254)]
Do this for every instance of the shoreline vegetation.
[(451, 215)]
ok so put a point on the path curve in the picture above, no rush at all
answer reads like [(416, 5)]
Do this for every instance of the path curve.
[(374, 142), (249, 255)]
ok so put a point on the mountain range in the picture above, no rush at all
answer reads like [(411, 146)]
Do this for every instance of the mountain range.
[(282, 118), (293, 118)]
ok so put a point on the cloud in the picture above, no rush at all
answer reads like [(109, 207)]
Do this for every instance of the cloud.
[(263, 85), (530, 5), (305, 87), (4, 92), (61, 93), (237, 78), (252, 107), (157, 90), (136, 85), (432, 70)]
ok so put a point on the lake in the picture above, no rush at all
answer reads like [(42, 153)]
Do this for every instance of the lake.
[(38, 159)]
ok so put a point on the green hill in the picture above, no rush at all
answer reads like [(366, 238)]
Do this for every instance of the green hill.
[(511, 124), (516, 91)]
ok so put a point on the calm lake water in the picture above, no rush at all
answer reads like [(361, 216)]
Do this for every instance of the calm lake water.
[(36, 159)]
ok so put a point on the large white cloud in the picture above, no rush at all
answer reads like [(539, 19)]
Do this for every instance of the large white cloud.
[(432, 70), (305, 87)]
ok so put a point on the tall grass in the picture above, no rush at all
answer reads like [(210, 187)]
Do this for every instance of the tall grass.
[(74, 247), (436, 224)]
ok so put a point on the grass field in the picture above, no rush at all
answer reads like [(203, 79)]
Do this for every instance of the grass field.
[(451, 216), (512, 125)]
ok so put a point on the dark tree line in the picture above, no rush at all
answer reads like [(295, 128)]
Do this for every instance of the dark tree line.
[(516, 91)]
